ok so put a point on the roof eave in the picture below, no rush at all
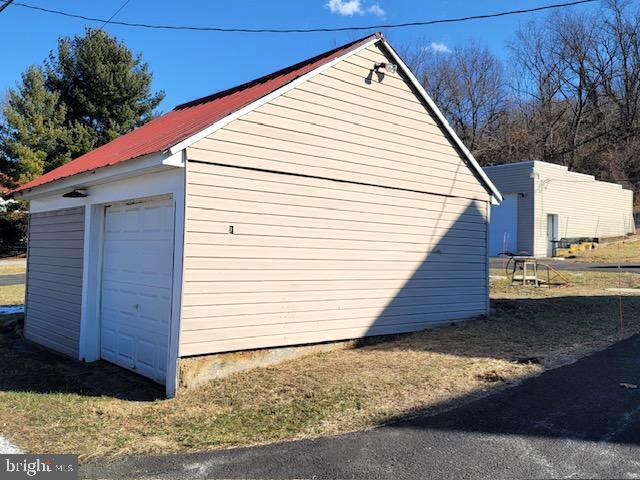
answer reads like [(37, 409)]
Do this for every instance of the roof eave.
[(150, 163)]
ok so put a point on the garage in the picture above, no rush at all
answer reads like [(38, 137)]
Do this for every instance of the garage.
[(136, 286), (318, 203)]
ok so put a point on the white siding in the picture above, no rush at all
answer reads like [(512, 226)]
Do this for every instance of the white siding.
[(515, 178), (585, 207), (352, 212), (348, 123), (54, 279), (313, 260)]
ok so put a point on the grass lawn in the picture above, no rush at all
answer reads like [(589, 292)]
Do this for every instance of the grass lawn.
[(13, 267), (12, 294), (50, 404), (627, 252)]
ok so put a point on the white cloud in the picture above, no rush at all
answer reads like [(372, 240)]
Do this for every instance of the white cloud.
[(345, 7), (376, 10), (349, 8), (439, 47)]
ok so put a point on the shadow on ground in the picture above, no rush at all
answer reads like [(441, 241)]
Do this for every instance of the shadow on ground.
[(528, 329), (521, 330), (572, 422), (30, 368), (581, 401)]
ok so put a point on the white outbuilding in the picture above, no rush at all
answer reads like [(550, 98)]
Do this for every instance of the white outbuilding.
[(546, 206)]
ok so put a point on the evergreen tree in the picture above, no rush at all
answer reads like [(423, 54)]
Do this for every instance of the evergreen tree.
[(105, 87), (90, 90), (33, 138)]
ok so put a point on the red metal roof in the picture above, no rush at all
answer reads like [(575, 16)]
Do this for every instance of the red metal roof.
[(188, 119)]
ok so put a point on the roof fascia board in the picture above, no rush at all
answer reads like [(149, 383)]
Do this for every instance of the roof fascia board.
[(496, 195), (267, 98), (137, 166)]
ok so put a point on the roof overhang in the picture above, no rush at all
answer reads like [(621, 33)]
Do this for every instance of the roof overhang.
[(138, 166), (496, 196), (174, 155)]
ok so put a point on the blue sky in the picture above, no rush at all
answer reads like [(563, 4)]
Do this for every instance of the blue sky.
[(189, 65)]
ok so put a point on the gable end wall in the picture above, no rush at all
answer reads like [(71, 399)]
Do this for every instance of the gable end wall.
[(338, 210)]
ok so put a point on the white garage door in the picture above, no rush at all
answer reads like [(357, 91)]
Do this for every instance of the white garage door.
[(503, 226), (136, 286)]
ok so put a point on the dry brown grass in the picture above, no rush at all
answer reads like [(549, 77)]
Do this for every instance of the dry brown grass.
[(625, 252), (13, 267), (12, 294), (44, 409)]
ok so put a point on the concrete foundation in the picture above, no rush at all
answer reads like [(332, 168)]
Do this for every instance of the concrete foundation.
[(198, 370)]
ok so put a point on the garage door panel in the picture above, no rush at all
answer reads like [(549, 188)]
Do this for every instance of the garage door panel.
[(136, 286), (147, 353)]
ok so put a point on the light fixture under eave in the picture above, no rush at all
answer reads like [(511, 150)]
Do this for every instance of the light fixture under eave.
[(389, 67), (76, 193)]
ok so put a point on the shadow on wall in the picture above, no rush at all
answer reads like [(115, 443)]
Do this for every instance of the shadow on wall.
[(448, 285)]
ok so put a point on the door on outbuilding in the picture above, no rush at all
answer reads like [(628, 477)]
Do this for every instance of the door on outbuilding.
[(503, 226), (137, 274)]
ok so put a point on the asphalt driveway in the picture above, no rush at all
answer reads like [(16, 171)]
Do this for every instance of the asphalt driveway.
[(575, 421)]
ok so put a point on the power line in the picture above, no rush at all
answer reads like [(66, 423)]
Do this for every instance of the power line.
[(305, 30), (5, 5), (113, 16)]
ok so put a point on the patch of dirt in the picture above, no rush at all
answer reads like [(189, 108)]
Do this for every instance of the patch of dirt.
[(490, 377)]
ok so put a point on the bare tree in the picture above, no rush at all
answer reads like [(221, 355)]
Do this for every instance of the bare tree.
[(570, 93), (467, 85)]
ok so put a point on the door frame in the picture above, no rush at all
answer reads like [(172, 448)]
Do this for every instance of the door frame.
[(512, 199), (156, 185), (554, 220), (100, 263)]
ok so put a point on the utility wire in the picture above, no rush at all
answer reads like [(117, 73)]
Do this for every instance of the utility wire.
[(305, 30), (113, 16), (5, 5)]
